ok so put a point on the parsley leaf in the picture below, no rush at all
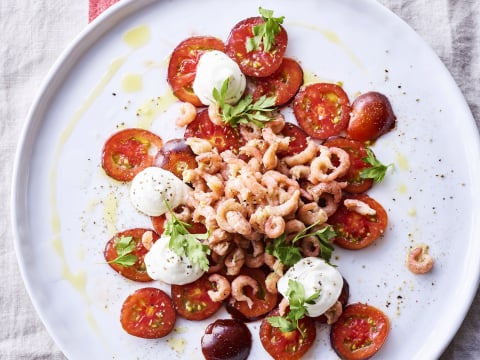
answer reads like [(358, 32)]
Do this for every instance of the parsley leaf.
[(297, 300), (185, 244), (124, 246), (266, 32), (289, 254), (377, 171), (245, 110)]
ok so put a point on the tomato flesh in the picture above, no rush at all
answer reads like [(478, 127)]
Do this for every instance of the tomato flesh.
[(287, 345), (360, 332), (138, 271), (283, 83), (356, 231), (148, 313), (182, 67), (222, 137), (256, 63), (372, 116), (298, 140), (322, 110), (192, 301), (128, 152), (357, 152)]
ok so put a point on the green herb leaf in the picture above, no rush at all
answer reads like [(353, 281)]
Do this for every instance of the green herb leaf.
[(296, 300), (289, 254), (185, 244), (124, 246), (245, 110), (266, 32), (377, 171)]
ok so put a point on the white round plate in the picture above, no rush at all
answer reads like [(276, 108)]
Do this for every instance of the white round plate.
[(114, 76)]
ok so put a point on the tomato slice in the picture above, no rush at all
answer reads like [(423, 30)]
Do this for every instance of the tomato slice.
[(158, 223), (257, 63), (128, 152), (148, 313), (263, 301), (357, 151), (360, 332), (322, 110), (287, 345), (137, 271), (222, 137), (176, 156), (182, 67), (298, 140), (192, 301), (356, 231), (372, 116), (283, 83)]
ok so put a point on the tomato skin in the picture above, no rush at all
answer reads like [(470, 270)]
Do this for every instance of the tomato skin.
[(263, 301), (357, 231), (226, 339), (256, 63), (298, 140), (129, 151), (357, 151), (287, 346), (360, 332), (283, 83), (192, 302), (222, 137), (138, 271), (148, 313), (372, 116), (322, 110), (176, 156), (182, 67)]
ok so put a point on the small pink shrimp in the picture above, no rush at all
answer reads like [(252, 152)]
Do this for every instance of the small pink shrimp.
[(239, 283), (334, 313), (274, 226), (222, 287), (147, 240), (214, 116), (188, 112), (419, 261)]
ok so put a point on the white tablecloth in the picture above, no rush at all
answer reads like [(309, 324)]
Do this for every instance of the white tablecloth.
[(33, 34)]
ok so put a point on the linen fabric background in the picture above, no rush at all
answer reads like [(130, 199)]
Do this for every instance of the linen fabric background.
[(33, 33)]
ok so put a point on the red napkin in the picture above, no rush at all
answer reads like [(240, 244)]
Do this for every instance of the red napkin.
[(96, 7)]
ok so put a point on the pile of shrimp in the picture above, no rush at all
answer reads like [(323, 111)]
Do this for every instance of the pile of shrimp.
[(249, 198)]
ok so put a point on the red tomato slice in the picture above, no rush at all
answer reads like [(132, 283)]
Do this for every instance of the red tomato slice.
[(158, 223), (360, 332), (298, 140), (176, 156), (128, 152), (263, 301), (372, 116), (356, 231), (148, 313), (222, 137), (192, 301), (357, 151), (137, 271), (287, 345), (182, 67), (322, 110), (257, 63), (283, 83)]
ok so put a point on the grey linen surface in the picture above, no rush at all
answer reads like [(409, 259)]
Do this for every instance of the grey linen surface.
[(34, 33)]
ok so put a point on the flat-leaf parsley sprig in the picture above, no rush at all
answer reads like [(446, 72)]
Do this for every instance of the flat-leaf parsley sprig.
[(266, 32), (245, 110), (185, 244), (124, 246), (377, 171), (296, 301), (289, 254)]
